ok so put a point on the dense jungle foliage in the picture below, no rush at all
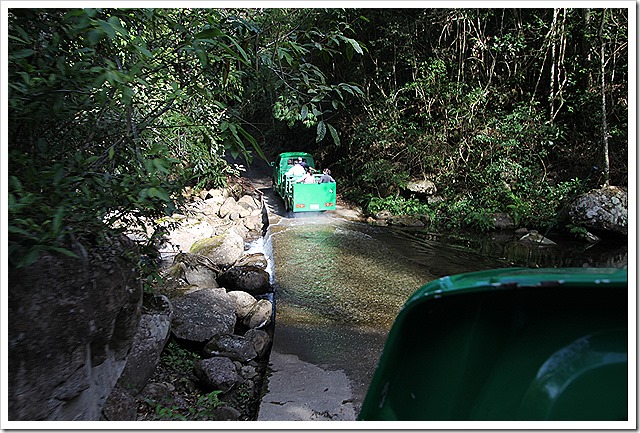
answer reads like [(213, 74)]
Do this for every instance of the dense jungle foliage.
[(112, 112)]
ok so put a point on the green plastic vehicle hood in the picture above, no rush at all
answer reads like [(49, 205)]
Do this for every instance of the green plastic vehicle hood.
[(507, 344)]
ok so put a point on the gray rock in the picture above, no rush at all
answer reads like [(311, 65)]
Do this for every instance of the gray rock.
[(244, 210), (217, 373), (222, 250), (201, 276), (604, 209), (71, 323), (435, 199), (181, 237), (239, 229), (248, 372), (250, 279), (383, 215), (226, 413), (253, 223), (120, 406), (423, 186), (149, 341), (244, 303), (227, 207), (249, 202), (260, 315), (234, 347), (200, 315), (256, 259), (260, 339), (157, 392), (406, 221), (216, 195), (194, 270), (536, 239), (521, 232)]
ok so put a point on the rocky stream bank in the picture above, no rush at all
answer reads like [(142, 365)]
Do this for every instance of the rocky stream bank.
[(202, 347)]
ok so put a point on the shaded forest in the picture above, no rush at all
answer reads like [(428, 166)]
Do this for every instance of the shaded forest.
[(113, 112)]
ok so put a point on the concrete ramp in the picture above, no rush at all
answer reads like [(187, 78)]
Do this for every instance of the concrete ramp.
[(299, 391)]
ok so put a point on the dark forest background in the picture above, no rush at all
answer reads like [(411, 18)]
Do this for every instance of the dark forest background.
[(113, 112)]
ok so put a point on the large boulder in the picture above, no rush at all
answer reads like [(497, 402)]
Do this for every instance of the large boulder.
[(422, 186), (149, 341), (223, 250), (250, 279), (200, 315), (193, 270), (604, 209), (186, 229), (71, 323), (260, 315), (244, 303)]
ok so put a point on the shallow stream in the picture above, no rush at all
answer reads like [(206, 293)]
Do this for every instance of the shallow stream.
[(340, 284)]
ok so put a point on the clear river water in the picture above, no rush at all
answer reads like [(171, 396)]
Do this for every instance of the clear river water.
[(340, 284)]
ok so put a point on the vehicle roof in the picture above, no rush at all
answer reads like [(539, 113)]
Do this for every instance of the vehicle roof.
[(292, 154)]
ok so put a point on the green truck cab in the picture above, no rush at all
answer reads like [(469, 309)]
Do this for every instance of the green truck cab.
[(301, 197)]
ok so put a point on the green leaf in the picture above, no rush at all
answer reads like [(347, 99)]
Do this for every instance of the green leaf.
[(321, 131), (159, 193), (56, 224), (209, 33), (107, 28), (22, 54), (354, 44), (64, 251), (31, 257), (117, 26), (334, 134), (253, 142)]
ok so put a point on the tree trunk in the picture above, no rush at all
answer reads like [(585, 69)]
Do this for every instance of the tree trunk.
[(605, 127)]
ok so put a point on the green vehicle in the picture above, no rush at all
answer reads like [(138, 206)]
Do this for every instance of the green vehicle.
[(301, 197), (508, 345)]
